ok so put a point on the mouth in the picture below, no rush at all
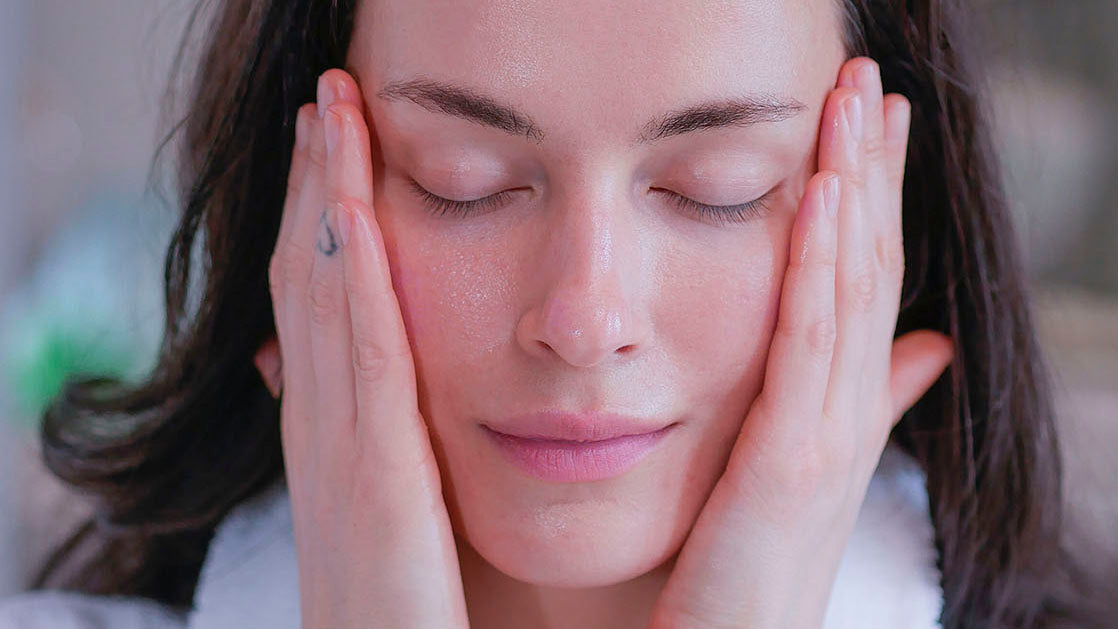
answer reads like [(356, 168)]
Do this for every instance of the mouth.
[(576, 460)]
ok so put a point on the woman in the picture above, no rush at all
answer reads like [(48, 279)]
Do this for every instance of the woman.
[(574, 314)]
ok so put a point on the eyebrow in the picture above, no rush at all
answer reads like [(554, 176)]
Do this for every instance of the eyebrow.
[(469, 104)]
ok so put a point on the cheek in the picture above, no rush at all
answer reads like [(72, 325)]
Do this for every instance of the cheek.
[(718, 307), (454, 299)]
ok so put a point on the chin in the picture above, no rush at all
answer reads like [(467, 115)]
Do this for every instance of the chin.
[(576, 545), (585, 559)]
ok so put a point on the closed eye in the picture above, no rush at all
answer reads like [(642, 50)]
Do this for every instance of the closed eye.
[(440, 206), (720, 214)]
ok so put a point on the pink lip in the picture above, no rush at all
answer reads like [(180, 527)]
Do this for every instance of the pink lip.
[(575, 459)]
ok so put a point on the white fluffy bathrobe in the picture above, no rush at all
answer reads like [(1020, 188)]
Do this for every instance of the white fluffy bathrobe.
[(887, 579)]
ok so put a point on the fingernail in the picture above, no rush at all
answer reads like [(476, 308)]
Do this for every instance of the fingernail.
[(325, 95), (853, 111), (867, 73), (345, 224), (831, 195), (333, 125)]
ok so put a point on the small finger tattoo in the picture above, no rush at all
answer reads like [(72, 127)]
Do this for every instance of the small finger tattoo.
[(327, 243)]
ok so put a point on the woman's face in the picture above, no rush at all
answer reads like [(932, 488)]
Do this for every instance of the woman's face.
[(588, 286)]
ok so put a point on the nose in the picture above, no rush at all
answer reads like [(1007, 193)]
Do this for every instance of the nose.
[(589, 309)]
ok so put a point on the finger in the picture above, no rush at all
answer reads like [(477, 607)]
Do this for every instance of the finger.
[(343, 87), (298, 170), (348, 180), (856, 278), (864, 74), (877, 158), (898, 116), (346, 132), (800, 354), (297, 262), (389, 427), (919, 358), (883, 212), (299, 253), (330, 339)]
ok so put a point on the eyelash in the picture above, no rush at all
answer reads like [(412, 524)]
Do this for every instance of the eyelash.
[(441, 206), (721, 214)]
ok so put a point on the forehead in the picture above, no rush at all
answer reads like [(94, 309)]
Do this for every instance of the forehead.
[(605, 64)]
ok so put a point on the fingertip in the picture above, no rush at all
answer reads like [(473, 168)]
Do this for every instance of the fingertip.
[(342, 84), (849, 70), (846, 73), (898, 116), (349, 149), (832, 142)]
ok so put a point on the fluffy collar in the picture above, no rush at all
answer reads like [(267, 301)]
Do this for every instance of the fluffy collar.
[(887, 578)]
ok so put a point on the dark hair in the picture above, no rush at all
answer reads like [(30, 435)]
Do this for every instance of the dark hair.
[(166, 459)]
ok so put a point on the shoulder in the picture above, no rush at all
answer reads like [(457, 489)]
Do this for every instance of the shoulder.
[(888, 576), (70, 610), (250, 576), (249, 579)]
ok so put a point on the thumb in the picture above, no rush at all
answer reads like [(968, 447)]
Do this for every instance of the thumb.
[(270, 365), (919, 358)]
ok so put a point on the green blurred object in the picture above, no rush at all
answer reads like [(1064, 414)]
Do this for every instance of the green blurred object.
[(48, 353), (91, 305)]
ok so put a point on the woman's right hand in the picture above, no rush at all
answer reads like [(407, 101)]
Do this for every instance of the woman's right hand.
[(372, 533)]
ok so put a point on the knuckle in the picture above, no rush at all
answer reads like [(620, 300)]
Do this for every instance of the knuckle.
[(371, 361), (294, 188), (863, 288), (322, 300), (854, 179), (339, 202), (316, 152), (875, 148), (817, 336), (889, 252), (820, 336), (819, 258), (295, 265)]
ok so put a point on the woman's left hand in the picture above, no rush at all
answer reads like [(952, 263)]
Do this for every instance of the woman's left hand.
[(765, 550)]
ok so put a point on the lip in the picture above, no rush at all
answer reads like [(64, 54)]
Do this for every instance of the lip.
[(589, 426), (586, 452)]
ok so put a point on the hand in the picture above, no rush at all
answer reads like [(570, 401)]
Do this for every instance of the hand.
[(372, 533), (766, 547)]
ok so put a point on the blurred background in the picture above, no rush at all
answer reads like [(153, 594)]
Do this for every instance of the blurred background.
[(82, 237)]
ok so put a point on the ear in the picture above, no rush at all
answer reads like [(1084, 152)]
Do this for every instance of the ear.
[(270, 365), (919, 358)]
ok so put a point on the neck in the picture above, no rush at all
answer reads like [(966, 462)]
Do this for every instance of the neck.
[(495, 600)]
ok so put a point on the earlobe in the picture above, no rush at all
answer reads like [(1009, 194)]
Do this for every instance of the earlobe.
[(270, 365)]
